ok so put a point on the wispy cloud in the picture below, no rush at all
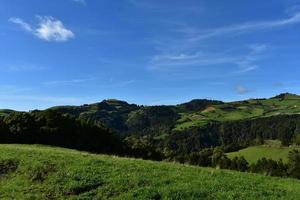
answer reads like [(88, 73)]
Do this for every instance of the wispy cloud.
[(80, 1), (13, 89), (75, 82), (185, 50), (24, 67), (122, 84), (242, 63), (242, 89), (68, 82), (48, 28), (164, 6), (48, 99), (247, 63), (241, 28), (23, 24)]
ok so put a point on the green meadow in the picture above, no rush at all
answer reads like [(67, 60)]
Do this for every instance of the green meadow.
[(40, 172), (253, 108), (271, 150)]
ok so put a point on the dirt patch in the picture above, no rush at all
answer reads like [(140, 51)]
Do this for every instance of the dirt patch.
[(208, 109), (8, 166), (41, 172)]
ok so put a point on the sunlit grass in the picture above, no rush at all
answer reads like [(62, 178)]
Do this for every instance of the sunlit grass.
[(57, 173)]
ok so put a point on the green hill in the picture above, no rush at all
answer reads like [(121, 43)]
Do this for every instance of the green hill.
[(253, 108), (198, 124), (5, 112), (195, 125), (196, 113), (39, 172), (271, 150)]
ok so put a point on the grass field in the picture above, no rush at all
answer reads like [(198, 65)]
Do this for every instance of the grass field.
[(38, 172), (272, 149), (231, 111)]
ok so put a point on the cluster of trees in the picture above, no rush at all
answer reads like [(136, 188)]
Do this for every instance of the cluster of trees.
[(231, 133), (142, 148), (152, 120), (52, 128), (112, 113), (216, 157), (196, 105)]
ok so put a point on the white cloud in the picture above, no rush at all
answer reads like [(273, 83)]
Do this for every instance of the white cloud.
[(68, 82), (23, 24), (242, 63), (48, 28), (169, 61), (200, 35), (80, 1), (242, 90), (247, 63), (51, 29), (25, 67)]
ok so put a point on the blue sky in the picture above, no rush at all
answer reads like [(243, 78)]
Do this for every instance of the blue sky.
[(148, 52)]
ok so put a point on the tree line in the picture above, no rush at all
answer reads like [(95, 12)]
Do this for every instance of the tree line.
[(53, 128), (216, 157)]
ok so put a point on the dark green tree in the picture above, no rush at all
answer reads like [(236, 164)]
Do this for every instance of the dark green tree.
[(294, 164)]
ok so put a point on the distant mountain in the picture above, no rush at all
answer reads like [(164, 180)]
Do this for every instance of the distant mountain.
[(127, 119), (285, 96), (113, 113), (198, 124)]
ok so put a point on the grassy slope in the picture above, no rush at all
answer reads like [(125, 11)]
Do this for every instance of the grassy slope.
[(5, 112), (46, 172), (270, 150), (290, 104)]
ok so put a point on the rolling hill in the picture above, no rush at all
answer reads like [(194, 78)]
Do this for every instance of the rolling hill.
[(39, 172), (198, 124), (270, 150), (196, 113), (5, 112)]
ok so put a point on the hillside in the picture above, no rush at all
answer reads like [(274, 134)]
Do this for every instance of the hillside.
[(113, 113), (39, 172), (196, 113), (5, 112), (248, 109), (270, 150), (198, 124)]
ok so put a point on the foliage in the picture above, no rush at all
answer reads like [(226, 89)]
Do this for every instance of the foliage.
[(200, 123), (296, 139), (52, 128), (294, 164), (141, 148), (270, 167)]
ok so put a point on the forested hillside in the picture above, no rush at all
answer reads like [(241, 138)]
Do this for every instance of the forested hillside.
[(197, 124), (199, 132), (52, 128)]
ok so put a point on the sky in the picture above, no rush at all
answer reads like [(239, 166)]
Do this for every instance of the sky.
[(149, 52)]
